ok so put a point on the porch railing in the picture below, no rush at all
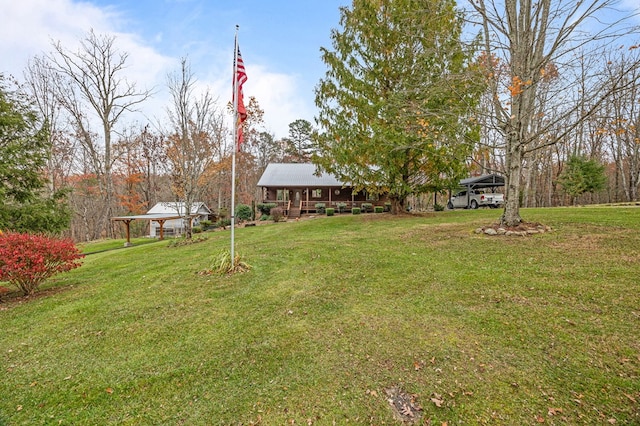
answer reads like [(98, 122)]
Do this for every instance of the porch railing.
[(310, 206)]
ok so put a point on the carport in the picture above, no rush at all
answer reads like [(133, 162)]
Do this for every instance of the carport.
[(491, 181), (487, 181)]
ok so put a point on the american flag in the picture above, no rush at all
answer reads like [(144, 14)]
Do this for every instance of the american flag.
[(240, 78)]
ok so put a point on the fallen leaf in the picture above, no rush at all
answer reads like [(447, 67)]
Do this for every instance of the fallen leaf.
[(417, 366), (437, 401), (109, 390), (554, 411), (540, 419), (612, 421), (406, 410), (19, 408), (632, 399)]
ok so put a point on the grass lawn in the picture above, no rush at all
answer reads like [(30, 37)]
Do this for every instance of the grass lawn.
[(334, 314)]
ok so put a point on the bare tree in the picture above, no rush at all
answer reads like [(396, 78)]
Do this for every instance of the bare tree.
[(41, 83), (620, 123), (92, 89), (530, 36), (194, 141)]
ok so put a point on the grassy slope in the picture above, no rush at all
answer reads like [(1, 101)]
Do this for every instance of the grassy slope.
[(336, 310)]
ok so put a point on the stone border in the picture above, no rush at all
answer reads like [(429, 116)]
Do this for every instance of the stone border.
[(520, 231)]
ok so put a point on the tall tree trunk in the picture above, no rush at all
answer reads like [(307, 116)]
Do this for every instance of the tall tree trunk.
[(511, 214)]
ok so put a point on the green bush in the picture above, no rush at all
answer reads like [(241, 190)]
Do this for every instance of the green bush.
[(265, 217), (277, 214), (355, 210), (205, 224), (196, 229), (438, 207), (366, 207), (265, 208), (243, 212), (341, 207), (330, 211), (320, 208), (378, 209), (387, 206)]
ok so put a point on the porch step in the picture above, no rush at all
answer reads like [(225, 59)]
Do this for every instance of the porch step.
[(294, 212)]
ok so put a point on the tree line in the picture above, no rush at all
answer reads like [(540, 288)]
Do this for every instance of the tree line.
[(71, 161), (417, 95)]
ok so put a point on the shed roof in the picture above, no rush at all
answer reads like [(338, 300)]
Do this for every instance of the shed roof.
[(485, 181), (296, 174), (177, 207)]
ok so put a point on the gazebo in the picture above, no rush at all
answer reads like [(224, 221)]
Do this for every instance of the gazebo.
[(161, 218)]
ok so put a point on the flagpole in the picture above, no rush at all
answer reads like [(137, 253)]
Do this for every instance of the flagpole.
[(235, 145)]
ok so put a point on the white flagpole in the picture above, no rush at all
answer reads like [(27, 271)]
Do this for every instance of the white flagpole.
[(235, 145)]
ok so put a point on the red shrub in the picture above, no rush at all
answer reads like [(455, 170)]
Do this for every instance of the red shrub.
[(26, 260)]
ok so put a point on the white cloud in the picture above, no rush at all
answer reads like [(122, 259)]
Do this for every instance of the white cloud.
[(29, 27), (279, 96)]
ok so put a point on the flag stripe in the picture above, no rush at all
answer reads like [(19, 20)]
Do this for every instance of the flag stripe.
[(240, 78)]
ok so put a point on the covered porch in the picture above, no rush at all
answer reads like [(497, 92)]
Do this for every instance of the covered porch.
[(298, 187), (304, 200)]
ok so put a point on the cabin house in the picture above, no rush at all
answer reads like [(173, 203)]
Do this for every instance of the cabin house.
[(297, 189), (175, 226)]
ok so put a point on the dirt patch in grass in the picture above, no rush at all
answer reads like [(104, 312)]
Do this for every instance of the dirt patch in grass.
[(405, 406), (16, 298)]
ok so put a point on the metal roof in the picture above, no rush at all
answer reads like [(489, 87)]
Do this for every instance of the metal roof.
[(157, 216), (485, 181), (177, 207), (289, 175)]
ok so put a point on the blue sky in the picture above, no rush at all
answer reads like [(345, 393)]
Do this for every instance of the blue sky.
[(280, 42)]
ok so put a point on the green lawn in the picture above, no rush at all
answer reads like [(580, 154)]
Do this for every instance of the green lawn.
[(335, 311)]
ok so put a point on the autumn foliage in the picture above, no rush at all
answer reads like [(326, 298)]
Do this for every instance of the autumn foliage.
[(27, 260)]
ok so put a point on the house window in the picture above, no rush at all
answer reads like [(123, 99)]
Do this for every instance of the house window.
[(370, 197), (316, 193), (282, 195)]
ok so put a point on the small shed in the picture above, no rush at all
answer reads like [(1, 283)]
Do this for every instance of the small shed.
[(175, 225)]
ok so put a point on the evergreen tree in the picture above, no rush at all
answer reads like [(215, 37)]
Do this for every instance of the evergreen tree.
[(24, 148), (582, 176), (396, 104), (299, 142)]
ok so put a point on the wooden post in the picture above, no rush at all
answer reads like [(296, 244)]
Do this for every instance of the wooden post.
[(127, 223), (161, 222)]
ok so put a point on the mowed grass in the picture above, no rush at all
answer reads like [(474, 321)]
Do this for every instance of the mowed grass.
[(335, 310)]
